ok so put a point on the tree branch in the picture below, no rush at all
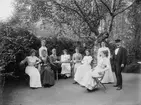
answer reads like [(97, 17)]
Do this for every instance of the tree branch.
[(97, 8), (83, 14), (106, 6), (117, 6), (114, 6), (115, 14), (64, 6)]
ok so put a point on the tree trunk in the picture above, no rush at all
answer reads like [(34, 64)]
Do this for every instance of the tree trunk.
[(111, 25)]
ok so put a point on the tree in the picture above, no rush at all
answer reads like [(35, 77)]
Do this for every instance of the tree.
[(115, 7), (135, 25)]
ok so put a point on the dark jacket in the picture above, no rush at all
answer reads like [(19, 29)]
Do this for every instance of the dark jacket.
[(121, 57)]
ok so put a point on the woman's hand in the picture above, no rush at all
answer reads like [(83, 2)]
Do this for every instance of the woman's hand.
[(22, 62), (57, 61)]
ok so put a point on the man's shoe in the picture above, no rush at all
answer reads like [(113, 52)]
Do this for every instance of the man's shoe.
[(115, 86), (119, 88)]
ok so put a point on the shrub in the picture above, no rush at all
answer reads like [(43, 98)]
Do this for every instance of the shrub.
[(15, 45)]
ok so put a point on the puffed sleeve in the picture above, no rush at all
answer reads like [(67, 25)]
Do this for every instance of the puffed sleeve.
[(106, 64), (40, 49), (90, 59), (25, 60), (38, 60), (83, 60), (109, 53), (69, 57), (62, 59), (98, 54)]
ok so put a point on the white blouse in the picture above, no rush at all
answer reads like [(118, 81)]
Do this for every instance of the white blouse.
[(40, 50), (87, 60)]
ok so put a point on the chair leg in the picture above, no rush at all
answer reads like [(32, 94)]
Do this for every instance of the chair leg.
[(57, 76), (98, 82), (102, 85)]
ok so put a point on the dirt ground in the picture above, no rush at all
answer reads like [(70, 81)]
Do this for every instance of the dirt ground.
[(66, 93)]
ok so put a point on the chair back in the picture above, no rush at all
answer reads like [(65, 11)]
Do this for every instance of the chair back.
[(102, 76)]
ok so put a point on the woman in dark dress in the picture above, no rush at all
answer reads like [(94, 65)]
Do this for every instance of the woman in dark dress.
[(55, 65), (47, 75)]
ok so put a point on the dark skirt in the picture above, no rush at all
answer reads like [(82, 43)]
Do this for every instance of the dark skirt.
[(56, 68), (47, 76)]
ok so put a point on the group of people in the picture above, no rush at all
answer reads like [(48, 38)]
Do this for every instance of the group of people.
[(42, 70), (85, 73)]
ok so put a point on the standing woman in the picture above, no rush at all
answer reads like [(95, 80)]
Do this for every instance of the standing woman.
[(108, 77), (66, 68), (84, 68), (77, 58), (47, 75), (32, 71), (43, 47), (103, 48)]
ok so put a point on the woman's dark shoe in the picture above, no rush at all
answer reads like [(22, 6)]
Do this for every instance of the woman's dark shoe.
[(75, 83), (65, 77), (33, 88), (89, 90)]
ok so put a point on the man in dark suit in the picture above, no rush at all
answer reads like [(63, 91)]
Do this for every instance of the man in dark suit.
[(119, 58)]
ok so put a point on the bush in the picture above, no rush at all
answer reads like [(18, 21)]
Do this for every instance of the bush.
[(132, 68), (15, 45), (60, 44)]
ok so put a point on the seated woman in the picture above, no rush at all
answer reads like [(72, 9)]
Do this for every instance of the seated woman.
[(101, 67), (47, 75), (32, 71), (55, 64), (84, 68), (66, 68), (77, 58)]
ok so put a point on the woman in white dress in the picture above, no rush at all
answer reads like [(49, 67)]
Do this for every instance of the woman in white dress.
[(108, 77), (84, 68), (32, 71), (102, 66), (76, 59), (66, 68), (43, 47)]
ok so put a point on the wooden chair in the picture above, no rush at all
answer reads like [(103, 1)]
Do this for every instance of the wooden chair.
[(98, 81)]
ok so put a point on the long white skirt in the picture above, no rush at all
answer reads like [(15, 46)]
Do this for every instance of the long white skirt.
[(35, 80), (81, 71), (108, 77), (88, 80), (66, 69), (76, 66)]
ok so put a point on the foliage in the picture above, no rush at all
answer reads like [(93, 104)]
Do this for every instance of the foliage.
[(15, 41), (135, 25), (132, 68)]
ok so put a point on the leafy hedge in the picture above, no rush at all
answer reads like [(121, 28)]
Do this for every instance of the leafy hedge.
[(15, 45)]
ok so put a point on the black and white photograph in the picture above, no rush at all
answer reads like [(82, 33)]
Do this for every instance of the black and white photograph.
[(70, 52)]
